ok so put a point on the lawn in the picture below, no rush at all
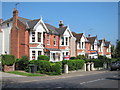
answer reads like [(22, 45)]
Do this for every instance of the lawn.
[(24, 73)]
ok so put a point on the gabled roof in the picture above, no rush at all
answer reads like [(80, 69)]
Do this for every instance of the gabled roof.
[(91, 39), (52, 29), (61, 30), (107, 43), (32, 23), (78, 36), (23, 20), (100, 42), (7, 21)]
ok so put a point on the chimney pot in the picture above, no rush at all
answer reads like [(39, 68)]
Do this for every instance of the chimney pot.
[(88, 35), (15, 16), (61, 24)]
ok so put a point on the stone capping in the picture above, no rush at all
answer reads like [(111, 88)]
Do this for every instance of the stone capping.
[(9, 68)]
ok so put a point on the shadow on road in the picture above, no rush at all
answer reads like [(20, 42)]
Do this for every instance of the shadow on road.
[(113, 78)]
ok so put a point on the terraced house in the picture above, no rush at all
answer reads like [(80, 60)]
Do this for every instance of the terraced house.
[(20, 36)]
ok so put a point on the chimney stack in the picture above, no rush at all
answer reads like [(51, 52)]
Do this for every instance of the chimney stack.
[(1, 20), (88, 35), (15, 17), (61, 24)]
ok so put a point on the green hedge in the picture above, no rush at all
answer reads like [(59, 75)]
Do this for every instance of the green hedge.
[(97, 62), (74, 64), (8, 60), (43, 57), (46, 67), (22, 63), (115, 59)]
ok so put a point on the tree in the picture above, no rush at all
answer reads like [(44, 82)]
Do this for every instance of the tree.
[(117, 50), (113, 51)]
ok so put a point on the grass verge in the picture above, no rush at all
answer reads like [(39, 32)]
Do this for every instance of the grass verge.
[(24, 73)]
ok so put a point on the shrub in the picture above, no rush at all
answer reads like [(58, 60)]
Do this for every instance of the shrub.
[(97, 62), (72, 58), (81, 57), (8, 60), (43, 57), (22, 63), (74, 64), (46, 67)]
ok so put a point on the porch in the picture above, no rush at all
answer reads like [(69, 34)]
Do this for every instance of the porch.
[(54, 54)]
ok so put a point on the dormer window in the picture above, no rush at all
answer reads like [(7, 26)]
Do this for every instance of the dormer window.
[(8, 25)]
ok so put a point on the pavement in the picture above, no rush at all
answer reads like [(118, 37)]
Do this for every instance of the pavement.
[(3, 74)]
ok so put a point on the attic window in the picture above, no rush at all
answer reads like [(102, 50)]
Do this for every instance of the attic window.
[(8, 25)]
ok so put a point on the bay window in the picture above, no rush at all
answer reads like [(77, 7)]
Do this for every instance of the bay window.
[(66, 41), (33, 55), (39, 37)]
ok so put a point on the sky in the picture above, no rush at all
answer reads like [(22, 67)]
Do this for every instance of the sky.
[(95, 18)]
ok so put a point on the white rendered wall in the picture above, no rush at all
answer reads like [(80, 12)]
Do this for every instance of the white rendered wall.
[(6, 37), (81, 40), (1, 43), (72, 47)]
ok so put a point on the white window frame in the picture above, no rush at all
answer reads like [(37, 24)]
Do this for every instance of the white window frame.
[(48, 39), (54, 40), (39, 37)]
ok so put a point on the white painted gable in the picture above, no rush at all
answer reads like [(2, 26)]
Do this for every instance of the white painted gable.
[(40, 26), (67, 32)]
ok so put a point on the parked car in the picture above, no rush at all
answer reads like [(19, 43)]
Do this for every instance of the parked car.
[(115, 66)]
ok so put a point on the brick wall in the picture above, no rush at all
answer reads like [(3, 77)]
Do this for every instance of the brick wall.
[(51, 38), (19, 36), (9, 68)]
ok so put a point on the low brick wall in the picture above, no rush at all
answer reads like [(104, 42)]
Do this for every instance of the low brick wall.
[(9, 68)]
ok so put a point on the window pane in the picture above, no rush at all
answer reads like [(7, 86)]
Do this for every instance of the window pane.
[(33, 55), (33, 36), (54, 40), (66, 41), (39, 37), (62, 40), (79, 44), (48, 39), (39, 52)]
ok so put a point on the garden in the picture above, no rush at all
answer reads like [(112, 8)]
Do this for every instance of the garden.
[(44, 67)]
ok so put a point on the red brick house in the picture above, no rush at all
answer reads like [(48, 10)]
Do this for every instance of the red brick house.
[(20, 36), (104, 48), (92, 47), (34, 37), (80, 43)]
